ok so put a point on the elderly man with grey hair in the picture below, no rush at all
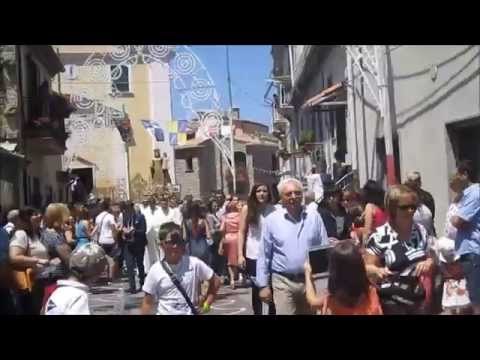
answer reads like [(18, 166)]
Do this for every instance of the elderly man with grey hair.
[(287, 235), (414, 180), (12, 217)]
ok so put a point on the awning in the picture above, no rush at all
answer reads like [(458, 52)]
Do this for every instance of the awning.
[(326, 94)]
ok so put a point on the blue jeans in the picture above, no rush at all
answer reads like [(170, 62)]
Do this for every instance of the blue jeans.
[(471, 268)]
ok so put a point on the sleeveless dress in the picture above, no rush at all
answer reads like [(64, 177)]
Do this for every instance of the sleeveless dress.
[(230, 243)]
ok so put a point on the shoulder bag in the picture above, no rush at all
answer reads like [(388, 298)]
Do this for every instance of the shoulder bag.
[(179, 286), (23, 279)]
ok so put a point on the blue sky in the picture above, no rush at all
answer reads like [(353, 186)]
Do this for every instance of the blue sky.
[(250, 66)]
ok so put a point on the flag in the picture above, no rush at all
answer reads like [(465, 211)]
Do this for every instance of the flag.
[(183, 126), (158, 134), (147, 124), (181, 138), (172, 126), (173, 139)]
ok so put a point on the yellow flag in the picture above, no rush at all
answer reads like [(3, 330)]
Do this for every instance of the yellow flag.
[(173, 127), (181, 138)]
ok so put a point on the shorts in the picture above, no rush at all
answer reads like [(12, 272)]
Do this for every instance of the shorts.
[(471, 269), (112, 250)]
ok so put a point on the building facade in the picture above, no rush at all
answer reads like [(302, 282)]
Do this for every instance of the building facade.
[(33, 132), (309, 106), (435, 111), (201, 169), (112, 91)]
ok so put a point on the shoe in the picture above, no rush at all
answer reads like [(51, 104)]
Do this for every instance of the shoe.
[(132, 291), (232, 285)]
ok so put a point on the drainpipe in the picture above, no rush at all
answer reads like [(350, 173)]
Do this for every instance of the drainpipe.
[(351, 112), (380, 52)]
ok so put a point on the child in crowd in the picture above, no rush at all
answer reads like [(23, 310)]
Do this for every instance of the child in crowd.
[(349, 290), (71, 296)]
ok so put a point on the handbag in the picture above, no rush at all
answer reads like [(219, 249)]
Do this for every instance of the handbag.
[(23, 279), (179, 286), (404, 290)]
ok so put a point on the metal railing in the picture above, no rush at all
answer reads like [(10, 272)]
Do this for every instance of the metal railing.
[(345, 181)]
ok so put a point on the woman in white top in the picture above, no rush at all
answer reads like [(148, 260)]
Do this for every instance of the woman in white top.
[(250, 234), (27, 252)]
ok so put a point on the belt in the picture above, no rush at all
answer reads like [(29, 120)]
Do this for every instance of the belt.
[(292, 277)]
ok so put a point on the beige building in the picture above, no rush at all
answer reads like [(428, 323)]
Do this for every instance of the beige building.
[(107, 90)]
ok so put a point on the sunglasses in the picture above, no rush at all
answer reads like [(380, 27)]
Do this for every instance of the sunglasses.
[(408, 207), (174, 238)]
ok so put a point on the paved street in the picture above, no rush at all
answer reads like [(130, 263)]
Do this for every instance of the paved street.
[(106, 300)]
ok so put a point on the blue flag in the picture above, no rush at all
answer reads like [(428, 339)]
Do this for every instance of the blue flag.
[(159, 134), (183, 126), (147, 124)]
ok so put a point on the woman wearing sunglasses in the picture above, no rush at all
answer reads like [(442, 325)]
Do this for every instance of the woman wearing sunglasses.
[(399, 257)]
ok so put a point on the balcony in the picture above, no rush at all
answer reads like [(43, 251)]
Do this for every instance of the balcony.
[(48, 138), (46, 134)]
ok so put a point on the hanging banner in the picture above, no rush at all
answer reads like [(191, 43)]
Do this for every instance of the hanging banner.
[(159, 136), (173, 139), (181, 138), (183, 126), (173, 127)]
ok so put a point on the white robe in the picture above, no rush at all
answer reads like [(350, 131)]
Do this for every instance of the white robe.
[(154, 220)]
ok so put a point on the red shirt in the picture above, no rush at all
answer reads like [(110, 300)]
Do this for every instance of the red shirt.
[(370, 305)]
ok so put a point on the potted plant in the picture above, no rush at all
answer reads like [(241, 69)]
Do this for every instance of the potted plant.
[(306, 141)]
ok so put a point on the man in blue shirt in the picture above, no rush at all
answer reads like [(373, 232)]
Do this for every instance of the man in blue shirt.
[(287, 235), (467, 242)]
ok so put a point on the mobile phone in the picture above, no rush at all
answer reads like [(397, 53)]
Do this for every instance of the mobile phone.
[(319, 258)]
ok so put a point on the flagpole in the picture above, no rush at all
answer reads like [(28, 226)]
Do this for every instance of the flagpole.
[(127, 153), (232, 133)]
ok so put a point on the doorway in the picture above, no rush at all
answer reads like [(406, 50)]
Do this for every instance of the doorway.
[(86, 177), (464, 136)]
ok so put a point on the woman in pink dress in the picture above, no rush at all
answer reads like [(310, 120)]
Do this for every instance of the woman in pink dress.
[(229, 244), (374, 214)]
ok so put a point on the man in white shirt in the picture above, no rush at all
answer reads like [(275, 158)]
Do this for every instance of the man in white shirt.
[(189, 270), (106, 232), (315, 184), (71, 296)]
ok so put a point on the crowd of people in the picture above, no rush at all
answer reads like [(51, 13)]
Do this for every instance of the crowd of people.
[(385, 255)]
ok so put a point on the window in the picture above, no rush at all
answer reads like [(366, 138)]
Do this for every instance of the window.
[(120, 75), (70, 72), (189, 164)]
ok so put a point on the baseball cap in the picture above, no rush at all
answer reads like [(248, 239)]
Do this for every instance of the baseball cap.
[(446, 250), (88, 260)]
